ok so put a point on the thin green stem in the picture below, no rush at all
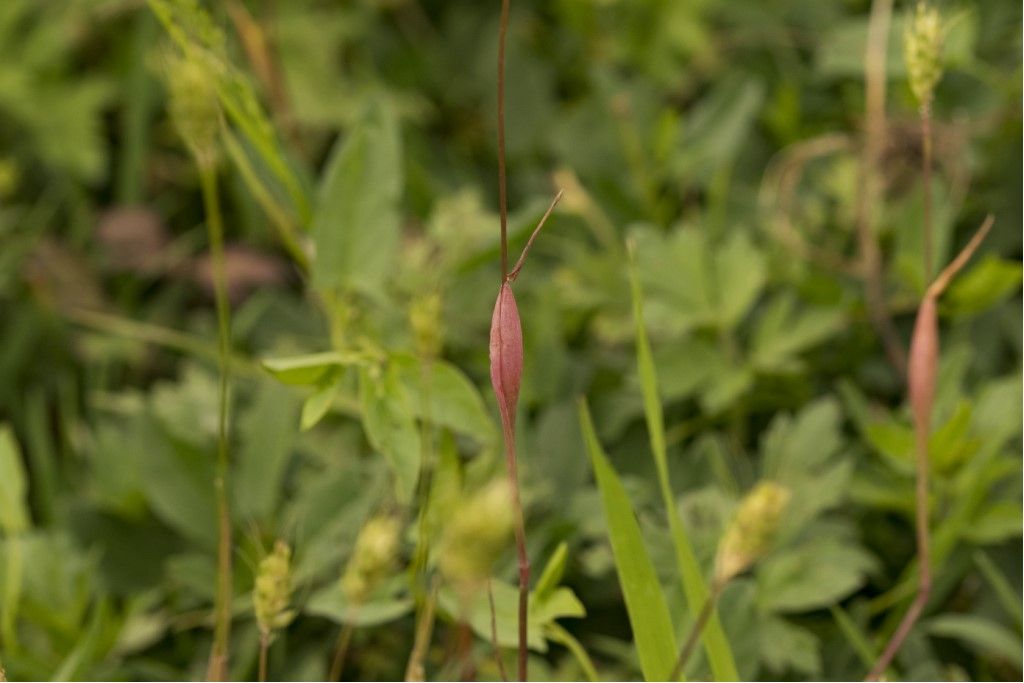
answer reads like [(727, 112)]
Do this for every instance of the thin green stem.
[(340, 652), (222, 603), (698, 627), (926, 179), (494, 633), (414, 670), (264, 646)]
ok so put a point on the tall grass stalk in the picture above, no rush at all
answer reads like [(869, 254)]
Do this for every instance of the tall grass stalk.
[(222, 605)]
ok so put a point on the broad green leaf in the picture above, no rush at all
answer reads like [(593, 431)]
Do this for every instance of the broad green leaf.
[(356, 223), (444, 395), (811, 576), (316, 406), (551, 576), (645, 601), (802, 444), (740, 272), (783, 332), (390, 427), (1004, 590), (267, 434), (694, 587), (476, 609), (787, 647), (558, 603), (14, 517), (312, 367), (982, 635), (387, 606), (177, 480), (982, 286), (997, 521)]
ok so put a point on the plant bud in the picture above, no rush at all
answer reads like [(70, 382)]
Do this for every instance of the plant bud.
[(478, 529), (922, 366), (375, 553), (506, 349), (273, 590), (194, 107), (751, 531), (923, 38), (425, 318)]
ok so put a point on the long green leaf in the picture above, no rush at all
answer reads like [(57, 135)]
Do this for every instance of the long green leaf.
[(723, 665), (645, 602)]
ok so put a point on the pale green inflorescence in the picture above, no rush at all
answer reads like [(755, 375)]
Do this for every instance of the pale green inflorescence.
[(373, 558), (923, 39), (194, 107), (273, 590), (751, 531), (478, 530)]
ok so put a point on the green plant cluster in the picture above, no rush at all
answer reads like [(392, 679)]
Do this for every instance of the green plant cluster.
[(695, 324)]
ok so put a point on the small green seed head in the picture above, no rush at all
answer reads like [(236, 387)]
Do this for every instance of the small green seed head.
[(273, 590), (478, 530), (425, 318), (751, 531), (194, 107), (923, 39), (373, 558)]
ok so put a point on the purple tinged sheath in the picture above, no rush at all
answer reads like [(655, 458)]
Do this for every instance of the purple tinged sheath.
[(506, 355)]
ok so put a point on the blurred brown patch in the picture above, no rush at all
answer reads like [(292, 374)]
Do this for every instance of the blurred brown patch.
[(246, 269), (61, 278), (133, 239)]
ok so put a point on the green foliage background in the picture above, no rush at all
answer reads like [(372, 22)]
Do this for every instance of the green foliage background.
[(722, 138)]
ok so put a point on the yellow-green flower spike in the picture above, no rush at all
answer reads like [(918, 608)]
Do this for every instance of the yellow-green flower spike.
[(373, 558), (751, 531), (923, 39), (273, 590), (194, 107), (478, 530)]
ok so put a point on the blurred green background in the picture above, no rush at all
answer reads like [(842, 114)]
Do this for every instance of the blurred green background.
[(724, 137)]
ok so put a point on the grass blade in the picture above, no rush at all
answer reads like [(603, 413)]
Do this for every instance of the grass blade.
[(645, 602), (723, 665)]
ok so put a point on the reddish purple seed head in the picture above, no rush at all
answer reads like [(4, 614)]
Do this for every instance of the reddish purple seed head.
[(506, 354)]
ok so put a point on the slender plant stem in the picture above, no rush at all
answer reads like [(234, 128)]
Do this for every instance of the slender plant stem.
[(222, 604), (921, 434), (524, 559), (924, 585), (502, 184), (494, 633), (698, 626), (264, 646), (926, 179), (414, 670), (509, 433), (340, 652)]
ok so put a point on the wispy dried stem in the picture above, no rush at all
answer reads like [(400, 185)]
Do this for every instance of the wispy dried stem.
[(869, 194)]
